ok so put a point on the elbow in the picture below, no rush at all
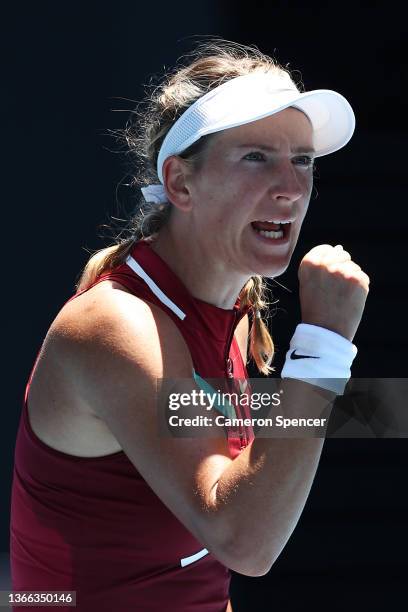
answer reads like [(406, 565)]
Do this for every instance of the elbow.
[(252, 571), (246, 558), (254, 566), (259, 568), (250, 565), (242, 550)]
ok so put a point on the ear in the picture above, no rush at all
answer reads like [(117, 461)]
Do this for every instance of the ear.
[(174, 175)]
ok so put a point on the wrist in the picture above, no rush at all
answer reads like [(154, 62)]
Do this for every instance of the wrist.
[(342, 330), (319, 356)]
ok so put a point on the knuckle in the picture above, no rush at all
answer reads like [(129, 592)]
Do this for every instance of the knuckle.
[(309, 262), (342, 271), (320, 250), (351, 265), (333, 267)]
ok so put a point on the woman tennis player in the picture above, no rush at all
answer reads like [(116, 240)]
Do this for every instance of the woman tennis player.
[(104, 505)]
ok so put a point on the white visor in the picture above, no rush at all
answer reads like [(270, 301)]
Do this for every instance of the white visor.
[(254, 96)]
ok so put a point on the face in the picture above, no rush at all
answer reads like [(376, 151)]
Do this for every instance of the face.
[(242, 181)]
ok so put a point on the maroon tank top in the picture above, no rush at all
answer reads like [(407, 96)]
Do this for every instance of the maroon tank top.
[(93, 525)]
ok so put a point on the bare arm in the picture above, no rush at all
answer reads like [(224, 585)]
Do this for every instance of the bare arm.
[(264, 490), (116, 356)]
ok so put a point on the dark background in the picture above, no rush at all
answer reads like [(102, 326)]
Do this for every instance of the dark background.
[(65, 67)]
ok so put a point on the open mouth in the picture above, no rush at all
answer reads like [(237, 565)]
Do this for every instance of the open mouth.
[(273, 231)]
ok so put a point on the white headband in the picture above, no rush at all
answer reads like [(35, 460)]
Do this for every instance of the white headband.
[(248, 98)]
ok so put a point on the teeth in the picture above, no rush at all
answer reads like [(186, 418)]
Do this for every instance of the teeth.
[(271, 221), (271, 234)]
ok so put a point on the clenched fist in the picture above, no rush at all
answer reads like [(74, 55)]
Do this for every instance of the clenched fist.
[(333, 290)]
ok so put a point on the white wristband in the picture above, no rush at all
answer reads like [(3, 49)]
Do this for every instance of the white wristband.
[(320, 357)]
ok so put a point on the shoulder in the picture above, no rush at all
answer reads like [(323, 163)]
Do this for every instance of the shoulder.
[(116, 327)]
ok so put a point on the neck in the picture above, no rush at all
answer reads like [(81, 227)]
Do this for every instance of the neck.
[(204, 277)]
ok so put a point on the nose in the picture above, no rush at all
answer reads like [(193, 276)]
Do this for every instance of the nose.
[(286, 184)]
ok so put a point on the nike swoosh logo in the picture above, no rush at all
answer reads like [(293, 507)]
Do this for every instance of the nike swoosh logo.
[(294, 355)]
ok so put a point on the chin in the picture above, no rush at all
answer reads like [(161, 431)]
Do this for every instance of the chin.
[(273, 270), (275, 273)]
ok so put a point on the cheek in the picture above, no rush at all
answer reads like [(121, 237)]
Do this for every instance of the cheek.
[(308, 188), (225, 205), (303, 210), (306, 182), (213, 213)]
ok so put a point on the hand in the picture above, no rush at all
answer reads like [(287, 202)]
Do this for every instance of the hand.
[(333, 290)]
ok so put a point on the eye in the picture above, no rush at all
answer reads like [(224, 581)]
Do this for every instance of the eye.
[(256, 153), (308, 162)]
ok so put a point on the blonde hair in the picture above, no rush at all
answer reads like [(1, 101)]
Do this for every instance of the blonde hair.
[(210, 64)]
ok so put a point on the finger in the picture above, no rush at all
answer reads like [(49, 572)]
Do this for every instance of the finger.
[(344, 267), (364, 278), (352, 273), (340, 248), (336, 253), (318, 253)]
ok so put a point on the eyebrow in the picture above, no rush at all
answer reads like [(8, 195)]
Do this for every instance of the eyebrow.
[(300, 149)]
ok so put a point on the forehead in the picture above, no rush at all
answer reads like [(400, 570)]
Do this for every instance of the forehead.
[(289, 124)]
